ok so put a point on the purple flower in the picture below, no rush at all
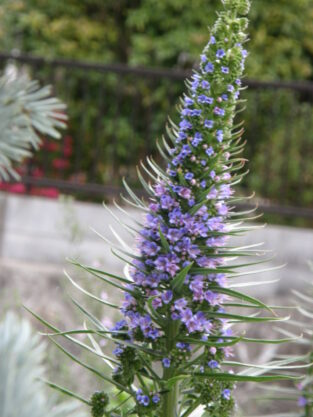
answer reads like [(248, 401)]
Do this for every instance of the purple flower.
[(209, 151), (185, 125), (166, 201), (195, 112), (156, 399), (166, 362), (230, 88), (225, 70), (119, 325), (185, 193), (222, 209), (174, 235), (212, 40), (208, 124), (219, 112), (189, 176), (180, 304), (203, 99), (203, 184), (145, 400), (195, 142), (205, 85), (226, 394), (167, 297), (149, 248), (188, 101), (219, 135), (156, 303), (209, 68), (302, 401), (220, 53), (213, 364), (182, 136), (186, 150), (118, 351)]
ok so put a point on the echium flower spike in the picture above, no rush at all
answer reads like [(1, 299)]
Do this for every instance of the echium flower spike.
[(175, 302), (173, 343)]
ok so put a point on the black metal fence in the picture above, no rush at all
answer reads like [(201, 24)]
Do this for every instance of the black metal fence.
[(116, 112)]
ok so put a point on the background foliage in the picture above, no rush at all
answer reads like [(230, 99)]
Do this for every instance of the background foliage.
[(170, 34), (153, 33)]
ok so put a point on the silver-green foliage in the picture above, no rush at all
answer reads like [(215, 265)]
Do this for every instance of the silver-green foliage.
[(26, 112), (22, 393), (299, 396)]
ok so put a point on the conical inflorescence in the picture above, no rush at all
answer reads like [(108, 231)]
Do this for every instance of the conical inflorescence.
[(173, 343), (174, 304)]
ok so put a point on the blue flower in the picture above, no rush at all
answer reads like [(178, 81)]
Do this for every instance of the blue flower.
[(209, 67), (213, 364), (225, 70), (212, 40), (188, 101), (118, 351), (225, 97), (219, 135), (209, 151), (186, 112), (195, 142), (219, 112), (208, 123), (156, 399), (166, 362), (230, 88), (205, 84), (203, 58), (195, 112), (220, 53), (145, 400), (205, 99), (226, 394), (185, 125)]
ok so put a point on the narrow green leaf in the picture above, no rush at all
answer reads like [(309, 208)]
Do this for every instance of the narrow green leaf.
[(179, 279), (66, 392)]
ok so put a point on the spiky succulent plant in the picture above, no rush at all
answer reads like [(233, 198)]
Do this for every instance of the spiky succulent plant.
[(26, 112), (22, 393), (173, 344)]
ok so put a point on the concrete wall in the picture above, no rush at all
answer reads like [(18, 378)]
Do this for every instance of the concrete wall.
[(42, 231)]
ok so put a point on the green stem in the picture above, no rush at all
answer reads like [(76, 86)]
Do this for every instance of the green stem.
[(170, 401)]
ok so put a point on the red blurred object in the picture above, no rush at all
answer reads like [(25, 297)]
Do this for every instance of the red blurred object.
[(60, 163), (67, 150), (51, 146), (37, 172), (17, 188), (45, 192)]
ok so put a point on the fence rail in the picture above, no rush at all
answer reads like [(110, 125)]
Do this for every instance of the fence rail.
[(117, 111)]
